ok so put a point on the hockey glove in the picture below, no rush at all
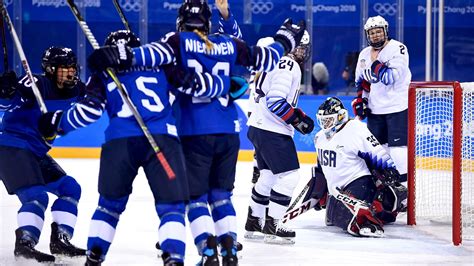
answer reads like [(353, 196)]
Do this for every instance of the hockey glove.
[(289, 35), (317, 188), (302, 123), (119, 57), (8, 84), (362, 85), (48, 124), (382, 72), (95, 93), (238, 87), (386, 177), (360, 107), (369, 76)]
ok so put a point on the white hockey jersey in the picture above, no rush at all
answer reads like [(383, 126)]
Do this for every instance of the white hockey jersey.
[(284, 81), (341, 157), (385, 99)]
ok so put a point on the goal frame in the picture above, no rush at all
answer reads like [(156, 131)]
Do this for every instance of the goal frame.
[(457, 152)]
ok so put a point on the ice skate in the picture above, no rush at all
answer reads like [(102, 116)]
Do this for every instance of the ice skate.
[(229, 252), (253, 227), (25, 248), (59, 243), (209, 253), (94, 258), (276, 233)]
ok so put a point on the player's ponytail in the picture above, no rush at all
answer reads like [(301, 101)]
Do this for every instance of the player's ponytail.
[(209, 44)]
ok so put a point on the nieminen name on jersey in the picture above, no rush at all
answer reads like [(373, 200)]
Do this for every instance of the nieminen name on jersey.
[(222, 48)]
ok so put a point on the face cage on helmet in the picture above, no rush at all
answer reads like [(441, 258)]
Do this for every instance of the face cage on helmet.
[(53, 75), (301, 53), (380, 43), (327, 122)]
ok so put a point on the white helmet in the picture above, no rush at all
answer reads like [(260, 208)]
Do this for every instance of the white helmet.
[(302, 52), (331, 116), (376, 22)]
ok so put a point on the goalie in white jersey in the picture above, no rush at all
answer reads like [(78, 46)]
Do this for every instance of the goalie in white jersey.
[(271, 127), (361, 176), (382, 81)]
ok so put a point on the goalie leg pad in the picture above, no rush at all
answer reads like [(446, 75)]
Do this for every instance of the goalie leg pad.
[(338, 213)]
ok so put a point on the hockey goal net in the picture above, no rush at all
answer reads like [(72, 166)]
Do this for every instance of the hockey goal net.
[(440, 156)]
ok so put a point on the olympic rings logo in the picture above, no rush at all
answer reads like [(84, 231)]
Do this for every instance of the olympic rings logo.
[(261, 7), (385, 9), (131, 5)]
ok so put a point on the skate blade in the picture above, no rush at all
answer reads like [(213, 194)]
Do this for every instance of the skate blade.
[(366, 232), (255, 236), (272, 239)]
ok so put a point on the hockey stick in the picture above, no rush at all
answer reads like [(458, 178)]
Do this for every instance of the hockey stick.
[(4, 45), (304, 207), (123, 94), (24, 62), (297, 199), (122, 15), (349, 201)]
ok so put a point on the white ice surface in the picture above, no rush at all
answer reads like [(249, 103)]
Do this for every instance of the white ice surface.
[(316, 244)]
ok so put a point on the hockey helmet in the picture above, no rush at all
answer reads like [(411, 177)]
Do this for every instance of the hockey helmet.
[(331, 116), (55, 57), (302, 52), (373, 23), (125, 37), (194, 15)]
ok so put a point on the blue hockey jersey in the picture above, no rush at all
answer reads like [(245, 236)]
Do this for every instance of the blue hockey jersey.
[(19, 127), (219, 55), (148, 90)]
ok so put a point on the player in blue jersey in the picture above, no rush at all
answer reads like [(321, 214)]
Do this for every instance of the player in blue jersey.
[(126, 149), (208, 128), (25, 138)]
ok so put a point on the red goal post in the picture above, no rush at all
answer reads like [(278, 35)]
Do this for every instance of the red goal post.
[(440, 156)]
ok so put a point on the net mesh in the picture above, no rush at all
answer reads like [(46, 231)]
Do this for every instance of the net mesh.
[(434, 156)]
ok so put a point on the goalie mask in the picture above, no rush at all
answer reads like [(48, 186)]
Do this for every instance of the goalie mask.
[(302, 52), (60, 65), (374, 28), (194, 15), (331, 116), (125, 37)]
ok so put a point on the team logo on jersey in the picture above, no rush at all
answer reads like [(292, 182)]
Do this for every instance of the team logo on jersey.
[(327, 157)]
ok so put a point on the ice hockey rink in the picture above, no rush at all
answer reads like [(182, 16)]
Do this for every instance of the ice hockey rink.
[(316, 244)]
